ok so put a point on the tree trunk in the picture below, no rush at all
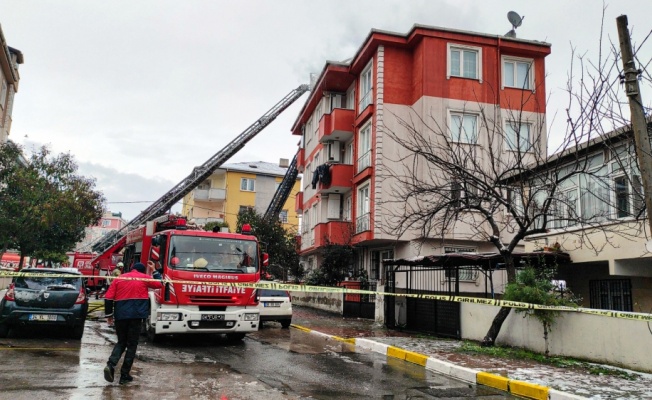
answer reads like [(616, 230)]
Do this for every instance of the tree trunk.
[(20, 262), (545, 337), (490, 338)]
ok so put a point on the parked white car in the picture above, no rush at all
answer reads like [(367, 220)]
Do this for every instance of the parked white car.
[(275, 305)]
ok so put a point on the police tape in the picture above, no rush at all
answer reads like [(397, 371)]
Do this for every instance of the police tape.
[(290, 287)]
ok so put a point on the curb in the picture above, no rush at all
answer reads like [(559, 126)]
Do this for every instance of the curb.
[(512, 386)]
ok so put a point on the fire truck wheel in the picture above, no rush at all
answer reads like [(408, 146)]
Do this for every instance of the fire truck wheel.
[(234, 337), (152, 337)]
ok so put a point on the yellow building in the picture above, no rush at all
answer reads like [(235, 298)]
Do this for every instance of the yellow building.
[(238, 186)]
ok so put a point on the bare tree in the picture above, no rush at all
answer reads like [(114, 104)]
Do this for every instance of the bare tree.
[(498, 180)]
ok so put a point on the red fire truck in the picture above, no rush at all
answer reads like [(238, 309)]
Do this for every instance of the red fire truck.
[(95, 269), (198, 259), (195, 259)]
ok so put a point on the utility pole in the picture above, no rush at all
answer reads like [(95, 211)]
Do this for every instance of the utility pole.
[(639, 124)]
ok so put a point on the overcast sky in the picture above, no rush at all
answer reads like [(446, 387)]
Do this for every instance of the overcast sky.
[(140, 92)]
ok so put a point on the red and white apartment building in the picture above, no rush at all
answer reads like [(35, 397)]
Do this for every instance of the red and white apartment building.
[(441, 74)]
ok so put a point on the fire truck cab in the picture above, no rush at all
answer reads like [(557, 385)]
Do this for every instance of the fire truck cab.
[(193, 263)]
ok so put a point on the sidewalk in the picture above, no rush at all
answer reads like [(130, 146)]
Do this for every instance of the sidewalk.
[(593, 381)]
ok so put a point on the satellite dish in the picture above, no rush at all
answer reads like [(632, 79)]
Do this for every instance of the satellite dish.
[(516, 21)]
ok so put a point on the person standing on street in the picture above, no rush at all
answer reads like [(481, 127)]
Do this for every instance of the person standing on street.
[(127, 301)]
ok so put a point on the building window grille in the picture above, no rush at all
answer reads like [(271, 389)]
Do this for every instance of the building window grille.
[(611, 294)]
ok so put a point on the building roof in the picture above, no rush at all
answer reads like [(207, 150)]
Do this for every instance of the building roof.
[(346, 70), (570, 154), (257, 167), (487, 261)]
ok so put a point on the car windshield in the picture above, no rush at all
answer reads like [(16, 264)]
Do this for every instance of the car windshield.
[(46, 282), (272, 293), (213, 254)]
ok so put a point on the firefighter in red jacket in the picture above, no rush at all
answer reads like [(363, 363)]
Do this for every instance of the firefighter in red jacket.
[(127, 301)]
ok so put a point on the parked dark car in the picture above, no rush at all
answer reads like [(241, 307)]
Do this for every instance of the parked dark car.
[(45, 301)]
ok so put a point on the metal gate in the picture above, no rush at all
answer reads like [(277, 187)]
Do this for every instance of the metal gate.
[(360, 305), (436, 317)]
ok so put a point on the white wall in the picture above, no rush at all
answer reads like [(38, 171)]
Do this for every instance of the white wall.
[(608, 340), (323, 301)]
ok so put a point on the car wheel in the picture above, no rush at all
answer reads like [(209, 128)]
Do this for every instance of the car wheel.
[(234, 337), (4, 330), (286, 323), (77, 332)]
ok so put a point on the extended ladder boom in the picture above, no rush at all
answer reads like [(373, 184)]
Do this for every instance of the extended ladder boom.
[(283, 192), (199, 174)]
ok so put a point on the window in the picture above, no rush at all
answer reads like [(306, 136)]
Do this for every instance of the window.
[(3, 93), (515, 198), (364, 148), (347, 208), (464, 62), (348, 154), (244, 209), (283, 216), (517, 136), (363, 209), (627, 190), (377, 257), (106, 223), (564, 209), (464, 128), (621, 192), (465, 273), (365, 87), (350, 99), (308, 131), (611, 294), (247, 184), (517, 73)]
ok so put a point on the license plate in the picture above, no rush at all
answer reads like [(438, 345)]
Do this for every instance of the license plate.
[(212, 317), (271, 304), (42, 317)]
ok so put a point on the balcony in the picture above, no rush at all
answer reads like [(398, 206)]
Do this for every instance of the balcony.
[(301, 160), (364, 161), (210, 194), (341, 179), (204, 221), (362, 223), (298, 205), (334, 232), (338, 125)]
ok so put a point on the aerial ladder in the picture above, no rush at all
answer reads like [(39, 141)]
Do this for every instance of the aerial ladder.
[(283, 192), (199, 174)]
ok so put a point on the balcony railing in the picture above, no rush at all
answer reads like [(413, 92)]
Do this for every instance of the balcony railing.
[(210, 194), (364, 161), (334, 232), (365, 101), (204, 221), (362, 223)]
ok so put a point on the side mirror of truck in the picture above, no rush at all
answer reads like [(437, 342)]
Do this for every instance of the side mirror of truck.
[(166, 294), (265, 259)]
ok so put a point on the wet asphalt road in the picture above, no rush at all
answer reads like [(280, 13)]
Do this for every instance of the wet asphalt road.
[(273, 363)]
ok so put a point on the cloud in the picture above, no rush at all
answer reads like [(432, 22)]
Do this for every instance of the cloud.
[(127, 193)]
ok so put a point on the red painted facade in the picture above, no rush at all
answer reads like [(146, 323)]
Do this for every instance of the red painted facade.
[(414, 66)]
